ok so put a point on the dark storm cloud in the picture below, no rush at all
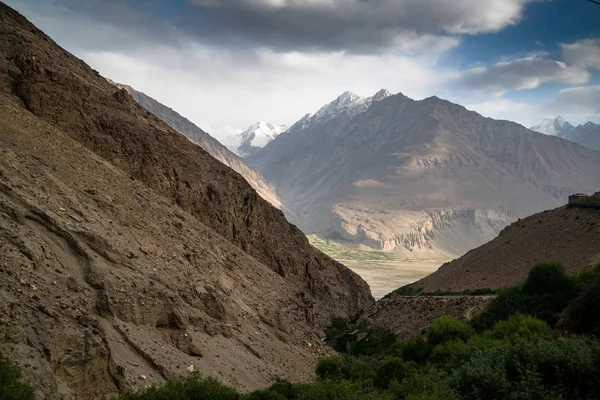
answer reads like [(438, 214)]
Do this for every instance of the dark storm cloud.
[(358, 26), (353, 25)]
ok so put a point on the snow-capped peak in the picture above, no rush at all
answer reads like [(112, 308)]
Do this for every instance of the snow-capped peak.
[(347, 101), (552, 126), (382, 94), (255, 137)]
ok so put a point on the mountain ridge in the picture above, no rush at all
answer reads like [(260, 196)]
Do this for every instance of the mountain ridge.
[(370, 174), (204, 140), (131, 256)]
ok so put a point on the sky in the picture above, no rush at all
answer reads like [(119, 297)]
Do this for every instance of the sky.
[(225, 64)]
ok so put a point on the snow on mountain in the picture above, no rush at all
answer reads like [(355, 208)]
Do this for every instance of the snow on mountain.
[(587, 135), (344, 102), (554, 127), (347, 101), (254, 138)]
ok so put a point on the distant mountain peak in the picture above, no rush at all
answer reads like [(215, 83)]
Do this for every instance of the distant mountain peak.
[(554, 127), (381, 94), (254, 138)]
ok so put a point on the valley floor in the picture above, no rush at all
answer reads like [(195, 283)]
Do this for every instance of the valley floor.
[(382, 271)]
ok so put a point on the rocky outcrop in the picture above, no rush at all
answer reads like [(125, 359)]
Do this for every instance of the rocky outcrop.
[(129, 255)]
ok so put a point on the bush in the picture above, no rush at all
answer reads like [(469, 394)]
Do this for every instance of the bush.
[(583, 314), (520, 327), (548, 289), (340, 390), (417, 350), (392, 369), (544, 294), (509, 301), (10, 386), (193, 388), (447, 328), (330, 368), (429, 384)]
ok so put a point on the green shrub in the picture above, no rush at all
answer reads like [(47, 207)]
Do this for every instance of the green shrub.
[(520, 326), (330, 367), (392, 369), (544, 294), (583, 313), (193, 388), (417, 350), (548, 289), (10, 386), (509, 301), (448, 328), (340, 390), (428, 384)]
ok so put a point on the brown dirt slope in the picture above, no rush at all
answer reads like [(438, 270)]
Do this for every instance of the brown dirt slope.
[(128, 255), (570, 236), (408, 316)]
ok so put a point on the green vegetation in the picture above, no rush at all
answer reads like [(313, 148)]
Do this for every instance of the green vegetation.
[(339, 251), (11, 388)]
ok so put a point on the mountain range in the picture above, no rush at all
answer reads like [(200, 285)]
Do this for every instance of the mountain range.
[(587, 134), (129, 255), (422, 179)]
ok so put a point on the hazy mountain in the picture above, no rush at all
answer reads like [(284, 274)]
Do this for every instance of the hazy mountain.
[(587, 134), (130, 256), (421, 178), (207, 142), (254, 138)]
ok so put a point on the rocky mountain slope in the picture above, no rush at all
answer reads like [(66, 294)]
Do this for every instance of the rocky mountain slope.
[(129, 255), (207, 142), (424, 179), (587, 134), (254, 138), (570, 236)]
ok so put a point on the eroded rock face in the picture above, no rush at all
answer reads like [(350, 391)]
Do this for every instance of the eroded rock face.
[(128, 251), (441, 232)]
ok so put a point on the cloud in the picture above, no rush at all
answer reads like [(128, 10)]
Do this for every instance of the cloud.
[(225, 90), (523, 113), (355, 26), (582, 101), (524, 73), (577, 104), (583, 53), (362, 26)]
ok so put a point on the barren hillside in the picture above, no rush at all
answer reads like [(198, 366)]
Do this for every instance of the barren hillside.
[(129, 255), (570, 236)]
